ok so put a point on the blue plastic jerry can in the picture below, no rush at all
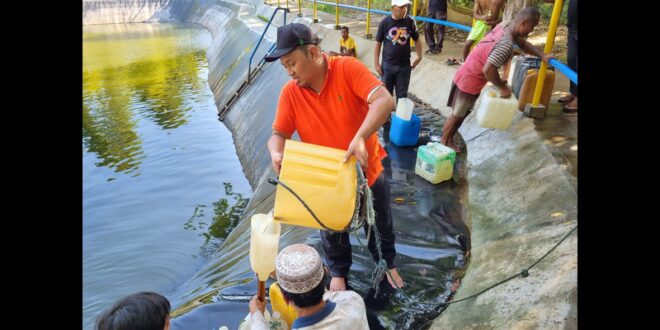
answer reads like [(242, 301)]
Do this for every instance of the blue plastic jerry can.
[(404, 133)]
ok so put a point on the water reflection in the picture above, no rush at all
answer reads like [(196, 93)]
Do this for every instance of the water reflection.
[(153, 149), (226, 215), (161, 84)]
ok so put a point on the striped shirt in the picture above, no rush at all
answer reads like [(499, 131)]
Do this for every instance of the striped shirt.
[(503, 50), (470, 78)]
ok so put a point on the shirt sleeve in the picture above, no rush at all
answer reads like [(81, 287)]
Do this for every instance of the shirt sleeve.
[(380, 34), (501, 52), (258, 322), (284, 117), (414, 34)]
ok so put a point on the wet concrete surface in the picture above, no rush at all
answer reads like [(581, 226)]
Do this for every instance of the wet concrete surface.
[(559, 133)]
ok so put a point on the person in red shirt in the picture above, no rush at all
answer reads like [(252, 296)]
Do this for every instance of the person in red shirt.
[(335, 102), (481, 66)]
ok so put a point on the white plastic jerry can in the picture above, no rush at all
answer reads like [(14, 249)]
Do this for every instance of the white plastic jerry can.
[(494, 111), (404, 108), (435, 162), (264, 242)]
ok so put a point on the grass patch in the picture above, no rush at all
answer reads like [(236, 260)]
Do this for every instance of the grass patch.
[(263, 18)]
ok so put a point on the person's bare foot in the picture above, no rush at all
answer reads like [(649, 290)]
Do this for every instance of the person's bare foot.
[(566, 98), (571, 106), (452, 145), (338, 284), (396, 278)]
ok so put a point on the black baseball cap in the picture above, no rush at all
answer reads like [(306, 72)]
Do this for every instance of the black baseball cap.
[(289, 37)]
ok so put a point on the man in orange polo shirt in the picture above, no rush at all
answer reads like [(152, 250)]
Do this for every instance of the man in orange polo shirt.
[(335, 102)]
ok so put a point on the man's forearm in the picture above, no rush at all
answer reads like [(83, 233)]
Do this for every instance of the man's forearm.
[(530, 49), (490, 72), (377, 53), (276, 142), (379, 110)]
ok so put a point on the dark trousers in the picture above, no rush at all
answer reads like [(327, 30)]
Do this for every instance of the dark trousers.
[(572, 56), (428, 30), (337, 247), (396, 77)]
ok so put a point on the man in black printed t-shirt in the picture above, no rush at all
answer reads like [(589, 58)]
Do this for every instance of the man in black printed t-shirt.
[(394, 34)]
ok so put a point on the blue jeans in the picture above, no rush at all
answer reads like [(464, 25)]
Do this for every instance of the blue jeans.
[(398, 77)]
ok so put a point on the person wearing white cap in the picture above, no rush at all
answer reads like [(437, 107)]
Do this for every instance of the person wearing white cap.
[(301, 279), (394, 34)]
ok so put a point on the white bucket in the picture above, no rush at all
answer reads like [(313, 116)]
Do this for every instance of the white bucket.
[(404, 108)]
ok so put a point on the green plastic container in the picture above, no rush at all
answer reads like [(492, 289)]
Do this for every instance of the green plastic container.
[(435, 162)]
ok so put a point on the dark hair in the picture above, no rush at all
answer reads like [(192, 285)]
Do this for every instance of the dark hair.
[(529, 13), (143, 310), (307, 299), (345, 28)]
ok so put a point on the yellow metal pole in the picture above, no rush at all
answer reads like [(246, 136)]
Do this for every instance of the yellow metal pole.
[(554, 21), (316, 20), (368, 35), (278, 4), (287, 4), (414, 10), (299, 8), (336, 14)]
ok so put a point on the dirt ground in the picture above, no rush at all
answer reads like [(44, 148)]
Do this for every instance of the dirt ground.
[(537, 38)]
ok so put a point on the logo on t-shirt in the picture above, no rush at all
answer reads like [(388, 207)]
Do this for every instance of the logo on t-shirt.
[(398, 35)]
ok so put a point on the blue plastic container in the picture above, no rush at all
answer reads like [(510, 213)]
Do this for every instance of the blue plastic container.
[(404, 133)]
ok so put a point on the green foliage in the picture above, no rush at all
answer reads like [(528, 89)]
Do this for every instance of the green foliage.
[(375, 4), (326, 8), (546, 12), (463, 3)]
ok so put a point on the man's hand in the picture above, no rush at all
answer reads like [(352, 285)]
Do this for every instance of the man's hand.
[(417, 60), (276, 159), (547, 57), (256, 304), (358, 149), (505, 92), (379, 69), (276, 149)]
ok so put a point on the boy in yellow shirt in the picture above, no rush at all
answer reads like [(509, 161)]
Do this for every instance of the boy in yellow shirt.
[(346, 44)]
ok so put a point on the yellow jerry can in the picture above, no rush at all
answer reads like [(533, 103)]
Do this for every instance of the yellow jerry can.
[(287, 312), (319, 177)]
